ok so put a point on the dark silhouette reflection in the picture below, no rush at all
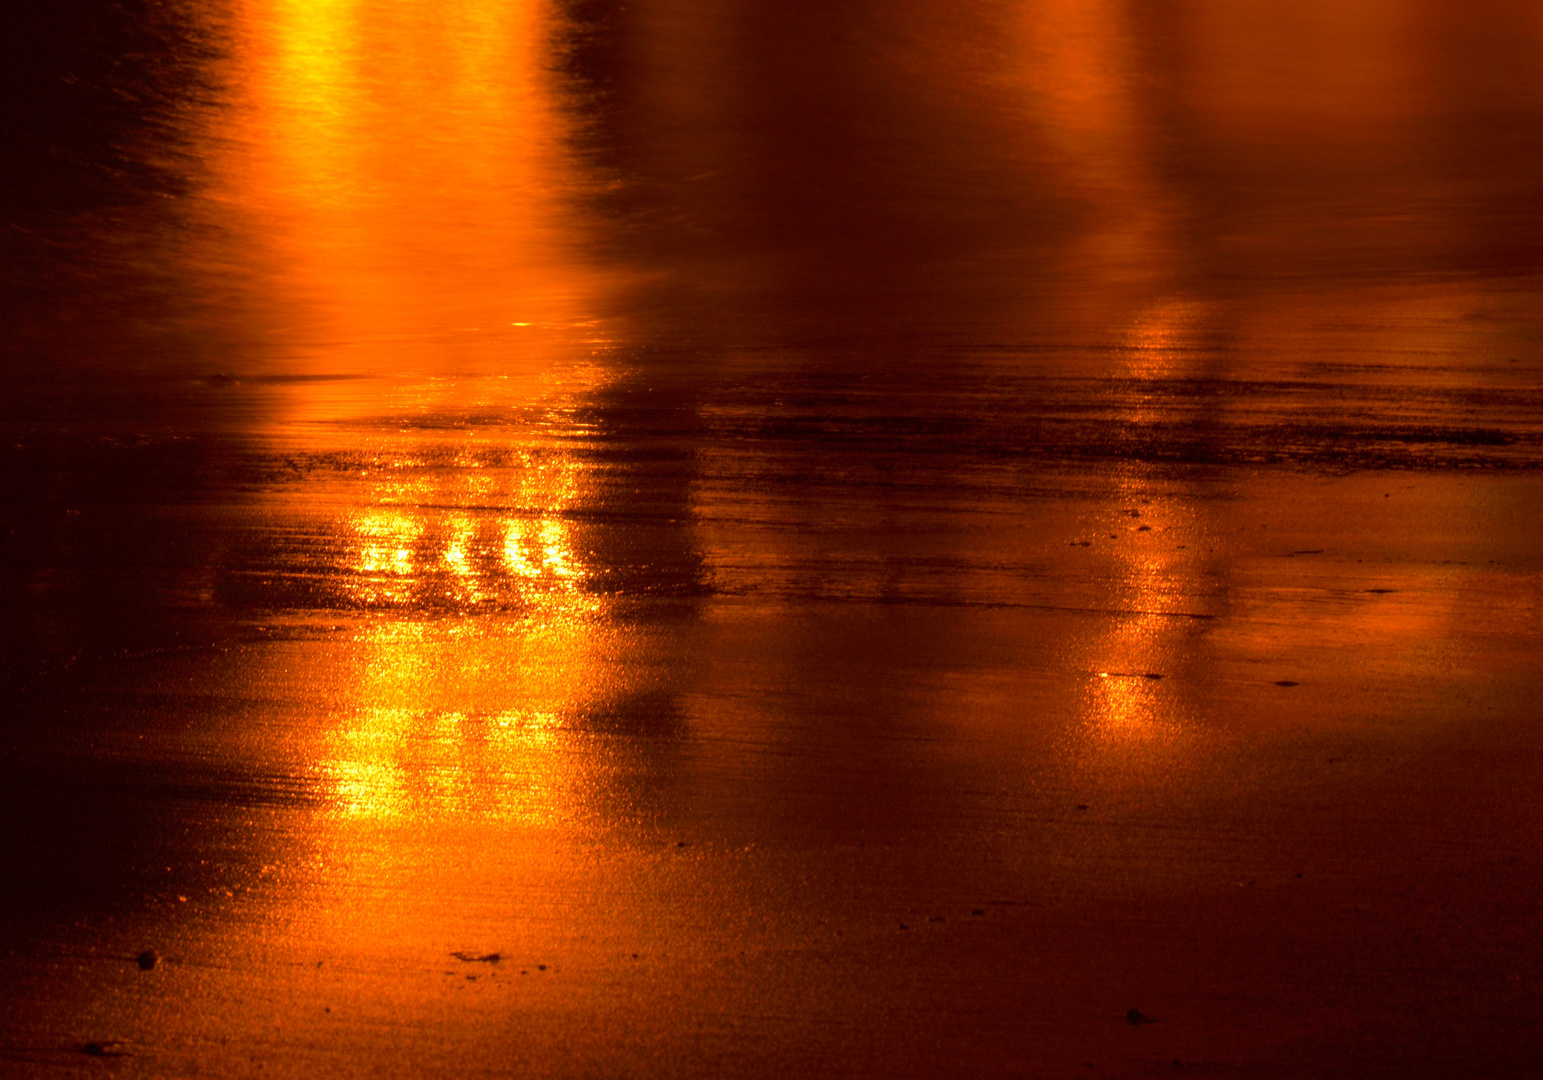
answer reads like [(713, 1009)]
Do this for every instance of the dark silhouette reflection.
[(104, 108), (1042, 173), (778, 177)]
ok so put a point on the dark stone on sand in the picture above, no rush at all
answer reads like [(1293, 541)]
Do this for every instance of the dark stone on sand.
[(147, 959)]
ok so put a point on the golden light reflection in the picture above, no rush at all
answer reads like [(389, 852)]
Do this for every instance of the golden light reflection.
[(512, 547), (1154, 537), (405, 174), (1165, 336), (1082, 75), (473, 715), (402, 169), (384, 559), (404, 763), (461, 714), (1126, 706)]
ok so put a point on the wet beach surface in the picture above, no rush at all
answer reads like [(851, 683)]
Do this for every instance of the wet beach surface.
[(705, 539)]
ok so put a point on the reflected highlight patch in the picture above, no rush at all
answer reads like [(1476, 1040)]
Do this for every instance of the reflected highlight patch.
[(521, 552), (404, 763), (383, 558), (1127, 706)]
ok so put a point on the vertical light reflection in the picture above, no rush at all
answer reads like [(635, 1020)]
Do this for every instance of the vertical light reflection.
[(403, 171), (1154, 536), (437, 765), (1082, 74), (384, 556), (1124, 705), (490, 640), (489, 533)]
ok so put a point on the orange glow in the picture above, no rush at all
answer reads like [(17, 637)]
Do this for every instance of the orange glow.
[(1080, 75), (403, 168), (454, 714), (403, 176)]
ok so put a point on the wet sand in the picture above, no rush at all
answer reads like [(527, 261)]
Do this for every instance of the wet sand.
[(871, 547)]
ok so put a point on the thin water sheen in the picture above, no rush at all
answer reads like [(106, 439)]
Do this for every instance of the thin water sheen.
[(707, 538)]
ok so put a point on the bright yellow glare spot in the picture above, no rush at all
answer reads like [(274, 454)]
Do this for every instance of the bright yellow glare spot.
[(555, 546), (410, 547), (392, 762), (455, 550), (514, 551), (1127, 707), (383, 559), (404, 255)]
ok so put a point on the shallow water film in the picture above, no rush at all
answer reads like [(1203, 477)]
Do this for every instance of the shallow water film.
[(722, 538)]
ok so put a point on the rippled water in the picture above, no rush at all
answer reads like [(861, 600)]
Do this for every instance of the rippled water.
[(866, 540)]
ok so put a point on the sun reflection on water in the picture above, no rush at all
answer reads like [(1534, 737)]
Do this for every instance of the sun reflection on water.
[(1126, 705), (1156, 536), (480, 534), (403, 173), (405, 763), (406, 176), (484, 622)]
